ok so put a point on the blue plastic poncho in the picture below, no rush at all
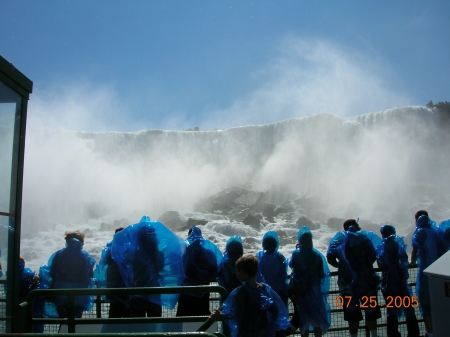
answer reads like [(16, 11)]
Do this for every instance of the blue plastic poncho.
[(310, 284), (70, 267), (444, 232), (272, 265), (149, 254), (356, 254), (233, 251), (202, 261), (430, 246), (26, 283), (393, 261), (252, 311), (372, 236), (107, 275)]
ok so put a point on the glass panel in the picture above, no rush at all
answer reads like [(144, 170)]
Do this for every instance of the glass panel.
[(10, 105)]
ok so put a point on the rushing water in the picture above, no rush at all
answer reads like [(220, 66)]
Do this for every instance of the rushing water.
[(381, 166)]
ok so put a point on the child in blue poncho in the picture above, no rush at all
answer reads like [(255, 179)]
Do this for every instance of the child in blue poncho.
[(253, 309), (233, 251), (393, 261), (427, 246), (273, 265), (310, 286)]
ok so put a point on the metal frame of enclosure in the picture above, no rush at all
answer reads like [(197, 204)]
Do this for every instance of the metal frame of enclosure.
[(15, 89)]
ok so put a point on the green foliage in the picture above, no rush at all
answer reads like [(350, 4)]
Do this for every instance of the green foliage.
[(443, 108)]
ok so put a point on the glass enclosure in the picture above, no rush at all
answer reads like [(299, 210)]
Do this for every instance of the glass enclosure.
[(14, 91)]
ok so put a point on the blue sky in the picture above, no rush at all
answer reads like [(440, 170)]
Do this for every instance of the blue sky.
[(136, 65)]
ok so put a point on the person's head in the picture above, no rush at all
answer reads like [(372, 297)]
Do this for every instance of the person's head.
[(195, 229), (74, 235), (21, 263), (147, 239), (351, 222), (386, 231), (270, 242), (419, 214), (423, 221), (304, 237), (247, 267), (234, 248)]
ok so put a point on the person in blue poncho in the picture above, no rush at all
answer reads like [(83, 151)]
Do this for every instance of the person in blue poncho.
[(233, 251), (28, 281), (393, 261), (444, 232), (353, 253), (202, 263), (107, 274), (273, 266), (72, 267), (148, 254), (147, 265), (253, 309), (427, 247), (309, 286)]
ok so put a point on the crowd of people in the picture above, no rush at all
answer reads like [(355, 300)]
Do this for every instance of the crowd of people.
[(150, 255)]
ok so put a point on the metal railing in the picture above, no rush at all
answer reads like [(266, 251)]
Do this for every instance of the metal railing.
[(135, 334), (71, 321), (338, 327)]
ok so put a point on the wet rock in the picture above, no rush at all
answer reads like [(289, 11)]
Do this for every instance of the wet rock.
[(106, 227), (252, 221), (240, 213), (336, 223), (269, 209), (219, 200), (303, 221), (252, 200), (196, 222), (88, 233), (171, 219), (250, 240), (285, 208), (281, 233), (318, 215), (309, 202)]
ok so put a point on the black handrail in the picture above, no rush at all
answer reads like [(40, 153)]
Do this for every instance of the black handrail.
[(71, 321)]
